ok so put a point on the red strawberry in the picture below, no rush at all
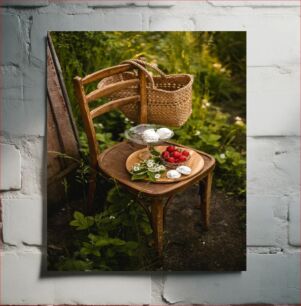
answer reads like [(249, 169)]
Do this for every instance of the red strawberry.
[(171, 160), (185, 153), (170, 148), (165, 154), (176, 154), (182, 158)]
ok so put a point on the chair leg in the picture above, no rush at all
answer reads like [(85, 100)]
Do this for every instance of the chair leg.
[(205, 194), (157, 211), (91, 191)]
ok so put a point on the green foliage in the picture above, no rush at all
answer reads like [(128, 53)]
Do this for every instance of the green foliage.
[(225, 140), (115, 239)]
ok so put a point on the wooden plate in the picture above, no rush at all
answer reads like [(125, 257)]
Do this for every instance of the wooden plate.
[(196, 163)]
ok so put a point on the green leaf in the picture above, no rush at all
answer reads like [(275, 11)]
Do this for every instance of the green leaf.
[(81, 222), (132, 245), (74, 265), (140, 172), (151, 176), (78, 215), (74, 223), (137, 177), (110, 253), (101, 241), (155, 152)]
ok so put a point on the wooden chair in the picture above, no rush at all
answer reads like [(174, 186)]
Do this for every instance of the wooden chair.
[(111, 162)]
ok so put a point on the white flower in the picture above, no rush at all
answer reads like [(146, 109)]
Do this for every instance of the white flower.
[(238, 121), (205, 103), (150, 163), (162, 168), (154, 168), (222, 156), (157, 176), (136, 168), (217, 65), (112, 217)]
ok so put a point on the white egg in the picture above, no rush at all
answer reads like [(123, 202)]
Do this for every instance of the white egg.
[(173, 174), (184, 170), (164, 133), (150, 135)]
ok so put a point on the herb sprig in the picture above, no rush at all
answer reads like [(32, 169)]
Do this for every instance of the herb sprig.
[(148, 170)]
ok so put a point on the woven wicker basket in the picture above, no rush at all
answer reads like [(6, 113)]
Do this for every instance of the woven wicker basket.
[(168, 96)]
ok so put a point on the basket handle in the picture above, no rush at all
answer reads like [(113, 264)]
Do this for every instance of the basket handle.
[(151, 66), (137, 63)]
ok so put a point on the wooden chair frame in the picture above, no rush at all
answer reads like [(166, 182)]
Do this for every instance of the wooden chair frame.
[(161, 195)]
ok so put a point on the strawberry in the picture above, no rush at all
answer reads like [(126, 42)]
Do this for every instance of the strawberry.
[(185, 153), (182, 158), (171, 160), (171, 148), (165, 154), (176, 154)]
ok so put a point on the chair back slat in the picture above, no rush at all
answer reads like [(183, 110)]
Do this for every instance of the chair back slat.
[(105, 73), (109, 89), (100, 110), (87, 121), (89, 114)]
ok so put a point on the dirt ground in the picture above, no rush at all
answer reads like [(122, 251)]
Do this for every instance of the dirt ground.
[(190, 248), (187, 246)]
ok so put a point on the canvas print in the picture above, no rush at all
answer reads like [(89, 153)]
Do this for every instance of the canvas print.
[(146, 141)]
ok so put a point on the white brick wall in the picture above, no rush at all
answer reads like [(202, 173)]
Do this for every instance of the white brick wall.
[(273, 225), (20, 214), (24, 3), (269, 279), (294, 220), (24, 284), (10, 171)]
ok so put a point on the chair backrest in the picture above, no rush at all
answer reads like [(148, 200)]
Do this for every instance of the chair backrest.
[(89, 114)]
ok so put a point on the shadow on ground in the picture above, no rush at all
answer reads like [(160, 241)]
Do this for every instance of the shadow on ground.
[(187, 246), (190, 248)]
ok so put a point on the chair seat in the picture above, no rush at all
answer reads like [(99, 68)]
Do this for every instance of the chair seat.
[(112, 163)]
